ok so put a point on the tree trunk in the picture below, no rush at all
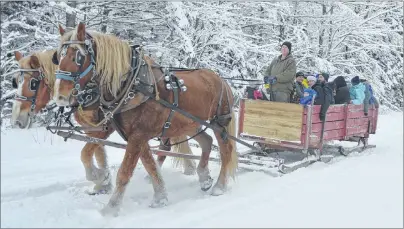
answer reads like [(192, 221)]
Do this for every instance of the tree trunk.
[(71, 18)]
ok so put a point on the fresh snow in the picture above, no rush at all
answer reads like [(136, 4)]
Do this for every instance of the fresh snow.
[(43, 185)]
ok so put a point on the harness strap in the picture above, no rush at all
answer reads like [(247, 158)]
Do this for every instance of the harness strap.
[(175, 86), (186, 114)]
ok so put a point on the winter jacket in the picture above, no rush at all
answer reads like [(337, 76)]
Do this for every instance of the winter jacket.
[(306, 100), (369, 98), (257, 94), (299, 89), (341, 91), (285, 72), (357, 93), (324, 97), (305, 83)]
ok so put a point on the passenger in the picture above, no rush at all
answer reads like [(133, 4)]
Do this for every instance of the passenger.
[(307, 96), (281, 73), (341, 91), (324, 94), (298, 88), (257, 93), (370, 99), (357, 91), (323, 77)]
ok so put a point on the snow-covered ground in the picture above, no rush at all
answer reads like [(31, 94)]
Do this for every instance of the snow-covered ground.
[(43, 185)]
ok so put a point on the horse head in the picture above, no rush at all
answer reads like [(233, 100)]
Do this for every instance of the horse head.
[(33, 81)]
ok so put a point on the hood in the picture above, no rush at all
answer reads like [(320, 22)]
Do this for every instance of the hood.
[(340, 82), (360, 86)]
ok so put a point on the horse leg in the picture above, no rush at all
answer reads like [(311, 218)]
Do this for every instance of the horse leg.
[(103, 185), (229, 159), (153, 170), (101, 175), (205, 141), (160, 159), (134, 149)]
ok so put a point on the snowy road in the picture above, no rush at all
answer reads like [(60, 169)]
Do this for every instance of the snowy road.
[(43, 185)]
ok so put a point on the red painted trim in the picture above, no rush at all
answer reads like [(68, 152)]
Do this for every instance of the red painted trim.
[(241, 117)]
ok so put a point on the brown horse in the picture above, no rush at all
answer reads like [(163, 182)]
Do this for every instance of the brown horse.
[(35, 83), (88, 58)]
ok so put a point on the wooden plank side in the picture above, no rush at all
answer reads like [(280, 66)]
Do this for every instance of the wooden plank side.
[(272, 120), (316, 127), (329, 117), (357, 122), (287, 134), (357, 130), (328, 135), (276, 106), (269, 122), (335, 108), (356, 114)]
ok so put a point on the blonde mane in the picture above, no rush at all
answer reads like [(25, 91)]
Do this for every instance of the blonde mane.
[(45, 61), (113, 58), (48, 67)]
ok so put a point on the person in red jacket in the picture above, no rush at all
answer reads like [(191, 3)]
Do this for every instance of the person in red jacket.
[(257, 93)]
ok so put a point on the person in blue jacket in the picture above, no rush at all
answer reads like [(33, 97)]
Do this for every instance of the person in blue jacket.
[(308, 95), (357, 91)]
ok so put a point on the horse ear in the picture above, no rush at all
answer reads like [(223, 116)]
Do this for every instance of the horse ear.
[(61, 30), (34, 62), (81, 32), (18, 55), (55, 60)]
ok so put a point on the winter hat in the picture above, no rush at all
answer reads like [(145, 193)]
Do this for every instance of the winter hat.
[(288, 44), (313, 78), (299, 74), (355, 80), (325, 75)]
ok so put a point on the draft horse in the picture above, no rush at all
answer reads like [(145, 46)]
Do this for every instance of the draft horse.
[(34, 83), (120, 72)]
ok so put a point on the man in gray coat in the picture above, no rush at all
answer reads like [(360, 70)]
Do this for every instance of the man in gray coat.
[(281, 74)]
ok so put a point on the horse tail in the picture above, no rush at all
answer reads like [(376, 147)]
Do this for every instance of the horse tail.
[(182, 148)]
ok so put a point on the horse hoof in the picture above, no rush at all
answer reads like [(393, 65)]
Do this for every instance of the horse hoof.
[(217, 191), (206, 185), (148, 179), (158, 203), (188, 171), (110, 211), (101, 189)]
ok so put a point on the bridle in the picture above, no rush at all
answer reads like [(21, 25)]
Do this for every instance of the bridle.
[(86, 96), (33, 86)]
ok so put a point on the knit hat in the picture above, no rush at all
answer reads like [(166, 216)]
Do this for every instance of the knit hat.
[(355, 80), (313, 78), (299, 74), (288, 44), (326, 76)]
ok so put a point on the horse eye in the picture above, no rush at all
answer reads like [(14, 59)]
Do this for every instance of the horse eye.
[(74, 59)]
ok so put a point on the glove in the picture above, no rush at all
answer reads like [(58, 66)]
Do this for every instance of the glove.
[(366, 114), (270, 79), (322, 117)]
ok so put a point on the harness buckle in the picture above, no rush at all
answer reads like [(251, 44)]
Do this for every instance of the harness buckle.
[(167, 125)]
